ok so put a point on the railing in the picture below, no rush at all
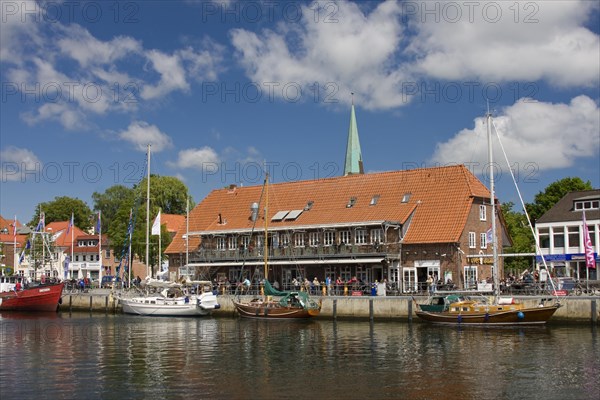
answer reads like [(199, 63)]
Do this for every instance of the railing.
[(293, 253)]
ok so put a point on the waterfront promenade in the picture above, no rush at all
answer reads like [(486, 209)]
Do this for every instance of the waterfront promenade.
[(580, 309)]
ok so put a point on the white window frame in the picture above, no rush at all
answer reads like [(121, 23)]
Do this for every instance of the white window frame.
[(345, 237), (360, 236), (221, 243), (299, 239), (482, 212), (376, 236), (483, 240), (232, 243), (245, 242), (472, 240), (284, 240), (313, 239), (328, 238)]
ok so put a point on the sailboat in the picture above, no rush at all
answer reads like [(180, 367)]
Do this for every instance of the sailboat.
[(276, 304), (162, 298), (456, 309)]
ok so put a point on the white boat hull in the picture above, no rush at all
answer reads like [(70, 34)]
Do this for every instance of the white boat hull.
[(170, 307)]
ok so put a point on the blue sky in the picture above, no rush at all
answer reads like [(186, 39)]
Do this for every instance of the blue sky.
[(219, 88)]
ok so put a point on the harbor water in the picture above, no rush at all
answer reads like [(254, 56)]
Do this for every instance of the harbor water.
[(96, 356)]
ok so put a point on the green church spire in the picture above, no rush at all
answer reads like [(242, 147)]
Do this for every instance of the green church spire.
[(354, 162)]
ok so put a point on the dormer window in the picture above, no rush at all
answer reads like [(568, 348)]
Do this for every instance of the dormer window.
[(351, 202), (406, 197), (587, 205), (308, 205), (374, 200)]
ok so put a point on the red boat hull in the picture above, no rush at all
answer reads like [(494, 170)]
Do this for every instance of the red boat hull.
[(37, 298)]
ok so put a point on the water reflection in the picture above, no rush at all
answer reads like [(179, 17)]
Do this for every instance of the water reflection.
[(118, 356)]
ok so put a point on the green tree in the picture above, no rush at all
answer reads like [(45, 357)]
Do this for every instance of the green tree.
[(522, 239), (543, 201), (167, 193), (61, 208), (111, 201)]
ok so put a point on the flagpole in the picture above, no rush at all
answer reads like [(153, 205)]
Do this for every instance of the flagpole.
[(14, 244), (148, 216), (100, 246), (187, 231), (159, 243), (129, 256), (72, 240)]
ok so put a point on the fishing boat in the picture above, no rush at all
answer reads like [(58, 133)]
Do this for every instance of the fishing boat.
[(170, 299), (35, 297), (468, 310), (276, 304)]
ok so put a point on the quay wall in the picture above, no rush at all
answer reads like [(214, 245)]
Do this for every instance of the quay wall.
[(397, 308)]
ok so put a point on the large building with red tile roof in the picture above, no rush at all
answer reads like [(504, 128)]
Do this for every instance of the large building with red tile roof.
[(10, 244), (399, 226)]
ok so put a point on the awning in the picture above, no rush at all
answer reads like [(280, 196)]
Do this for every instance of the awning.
[(302, 262)]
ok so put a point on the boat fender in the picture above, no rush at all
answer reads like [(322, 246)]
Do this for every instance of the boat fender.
[(187, 299), (217, 306), (459, 318), (60, 300), (487, 317), (520, 315)]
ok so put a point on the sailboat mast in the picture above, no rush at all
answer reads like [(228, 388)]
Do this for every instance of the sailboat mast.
[(148, 215), (493, 203), (266, 245)]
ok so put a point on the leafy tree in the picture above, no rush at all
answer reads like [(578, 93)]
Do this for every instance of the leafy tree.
[(111, 201), (543, 201), (61, 208), (167, 193), (522, 239)]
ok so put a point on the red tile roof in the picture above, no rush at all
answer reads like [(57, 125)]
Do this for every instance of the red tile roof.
[(59, 230), (172, 221), (439, 203)]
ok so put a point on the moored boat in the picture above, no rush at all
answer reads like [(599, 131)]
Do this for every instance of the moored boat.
[(276, 304), (36, 297), (456, 309), (171, 299), (288, 305)]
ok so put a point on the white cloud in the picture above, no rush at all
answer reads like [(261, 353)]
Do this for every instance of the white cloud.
[(17, 164), (510, 41), (372, 49), (140, 134), (549, 135), (107, 75), (353, 53), (79, 44), (172, 75), (201, 158)]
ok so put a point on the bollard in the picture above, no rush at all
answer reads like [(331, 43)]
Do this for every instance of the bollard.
[(345, 290), (334, 308)]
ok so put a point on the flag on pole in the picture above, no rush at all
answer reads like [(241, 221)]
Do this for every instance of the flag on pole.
[(488, 236), (15, 227), (590, 261), (22, 256), (99, 222), (40, 225), (70, 226), (156, 225)]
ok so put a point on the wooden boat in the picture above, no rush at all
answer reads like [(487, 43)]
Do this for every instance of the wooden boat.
[(36, 297), (276, 304), (289, 304), (173, 300), (457, 309)]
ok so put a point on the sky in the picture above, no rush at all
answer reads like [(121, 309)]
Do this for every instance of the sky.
[(224, 89)]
